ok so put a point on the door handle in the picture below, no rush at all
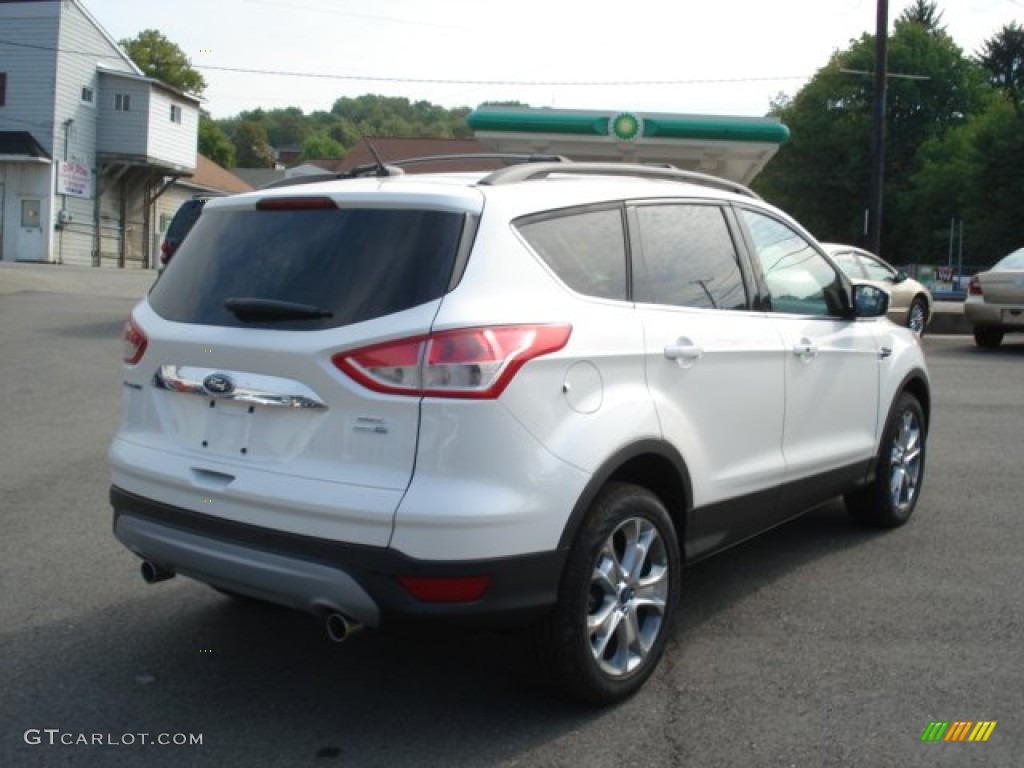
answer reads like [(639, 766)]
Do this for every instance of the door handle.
[(806, 350), (684, 352)]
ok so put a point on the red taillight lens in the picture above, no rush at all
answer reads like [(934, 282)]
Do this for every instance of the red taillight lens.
[(974, 287), (134, 343), (296, 204), (431, 589), (466, 363)]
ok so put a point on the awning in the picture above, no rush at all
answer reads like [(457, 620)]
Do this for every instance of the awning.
[(21, 147), (735, 148)]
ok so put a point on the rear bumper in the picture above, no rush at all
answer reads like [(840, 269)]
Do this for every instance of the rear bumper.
[(980, 313), (321, 576)]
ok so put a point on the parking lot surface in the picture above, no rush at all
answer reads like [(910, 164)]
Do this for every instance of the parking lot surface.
[(819, 643)]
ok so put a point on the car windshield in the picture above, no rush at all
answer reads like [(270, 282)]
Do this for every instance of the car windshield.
[(1014, 261)]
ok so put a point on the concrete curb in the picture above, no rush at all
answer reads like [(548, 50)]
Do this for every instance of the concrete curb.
[(948, 318)]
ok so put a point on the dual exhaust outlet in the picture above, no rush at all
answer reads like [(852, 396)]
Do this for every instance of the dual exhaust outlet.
[(339, 626)]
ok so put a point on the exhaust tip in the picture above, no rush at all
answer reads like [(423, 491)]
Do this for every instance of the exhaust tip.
[(152, 573), (340, 627)]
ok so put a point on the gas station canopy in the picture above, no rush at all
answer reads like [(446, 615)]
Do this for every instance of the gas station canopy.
[(735, 148)]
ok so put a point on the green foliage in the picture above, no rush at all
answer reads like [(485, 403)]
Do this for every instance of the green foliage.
[(321, 146), (1002, 56), (331, 134), (924, 13), (159, 58), (822, 175), (214, 143), (251, 146), (997, 177)]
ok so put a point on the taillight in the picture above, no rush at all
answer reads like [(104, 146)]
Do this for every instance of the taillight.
[(974, 287), (133, 343), (466, 363), (459, 589), (296, 204)]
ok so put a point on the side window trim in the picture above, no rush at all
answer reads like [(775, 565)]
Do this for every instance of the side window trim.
[(762, 297)]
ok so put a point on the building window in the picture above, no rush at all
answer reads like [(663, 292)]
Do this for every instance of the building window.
[(122, 102), (88, 95), (175, 113), (3, 89)]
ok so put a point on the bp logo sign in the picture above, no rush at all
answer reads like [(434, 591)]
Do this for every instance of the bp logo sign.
[(626, 126)]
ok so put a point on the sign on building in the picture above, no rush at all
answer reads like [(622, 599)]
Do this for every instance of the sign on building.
[(74, 179)]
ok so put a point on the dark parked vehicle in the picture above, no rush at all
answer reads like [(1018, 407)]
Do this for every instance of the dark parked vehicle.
[(184, 219)]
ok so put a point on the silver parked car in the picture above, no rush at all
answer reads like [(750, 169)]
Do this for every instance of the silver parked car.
[(995, 300)]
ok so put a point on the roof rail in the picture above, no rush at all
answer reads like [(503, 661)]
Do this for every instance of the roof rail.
[(517, 173), (394, 167)]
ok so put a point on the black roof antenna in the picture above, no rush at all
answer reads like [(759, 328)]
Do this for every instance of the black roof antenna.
[(382, 170)]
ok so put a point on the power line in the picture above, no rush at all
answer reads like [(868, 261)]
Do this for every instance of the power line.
[(456, 81), (430, 81)]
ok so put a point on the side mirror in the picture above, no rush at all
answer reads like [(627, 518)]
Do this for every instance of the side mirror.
[(899, 277), (869, 300)]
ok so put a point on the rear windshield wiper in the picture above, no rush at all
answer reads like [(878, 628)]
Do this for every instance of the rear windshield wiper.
[(269, 310)]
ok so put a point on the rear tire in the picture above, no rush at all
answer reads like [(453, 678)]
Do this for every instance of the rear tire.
[(616, 601), (889, 500), (986, 337)]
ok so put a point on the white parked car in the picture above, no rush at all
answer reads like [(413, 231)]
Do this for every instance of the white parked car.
[(525, 398)]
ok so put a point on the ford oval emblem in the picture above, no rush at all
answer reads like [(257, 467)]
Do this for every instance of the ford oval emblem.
[(218, 384)]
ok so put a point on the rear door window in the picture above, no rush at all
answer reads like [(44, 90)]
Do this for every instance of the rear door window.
[(687, 258), (351, 264)]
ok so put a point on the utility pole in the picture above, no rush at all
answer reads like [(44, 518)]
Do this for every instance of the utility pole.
[(878, 129)]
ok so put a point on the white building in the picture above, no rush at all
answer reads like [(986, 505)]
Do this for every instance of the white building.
[(87, 143)]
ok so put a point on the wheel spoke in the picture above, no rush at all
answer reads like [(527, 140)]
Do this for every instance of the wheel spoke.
[(603, 629), (634, 548), (608, 564)]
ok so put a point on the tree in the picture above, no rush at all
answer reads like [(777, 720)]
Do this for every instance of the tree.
[(821, 176), (214, 142), (319, 146), (159, 58), (924, 13), (1002, 56), (251, 146)]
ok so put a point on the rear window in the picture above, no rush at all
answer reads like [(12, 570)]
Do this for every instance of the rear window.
[(356, 264)]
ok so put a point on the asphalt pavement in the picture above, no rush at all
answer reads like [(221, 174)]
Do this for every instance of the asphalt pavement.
[(817, 644)]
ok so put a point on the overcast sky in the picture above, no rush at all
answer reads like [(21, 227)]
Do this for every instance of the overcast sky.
[(710, 57)]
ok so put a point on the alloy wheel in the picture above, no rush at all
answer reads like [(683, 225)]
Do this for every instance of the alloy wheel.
[(629, 590)]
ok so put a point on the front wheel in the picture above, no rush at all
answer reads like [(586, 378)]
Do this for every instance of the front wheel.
[(891, 497), (616, 602), (917, 317)]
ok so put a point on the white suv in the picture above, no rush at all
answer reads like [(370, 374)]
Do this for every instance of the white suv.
[(523, 398)]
